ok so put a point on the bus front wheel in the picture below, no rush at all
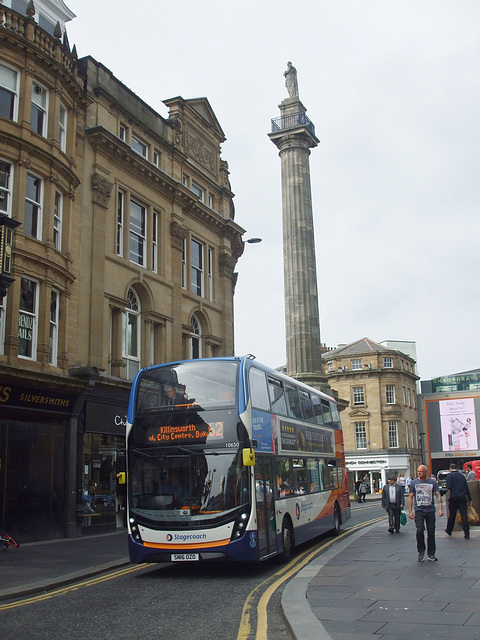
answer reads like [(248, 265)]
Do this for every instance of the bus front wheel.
[(288, 544)]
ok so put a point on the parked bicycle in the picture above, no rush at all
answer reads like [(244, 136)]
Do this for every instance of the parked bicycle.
[(7, 541)]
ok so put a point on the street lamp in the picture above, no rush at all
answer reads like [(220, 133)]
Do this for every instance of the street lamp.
[(253, 240), (7, 225)]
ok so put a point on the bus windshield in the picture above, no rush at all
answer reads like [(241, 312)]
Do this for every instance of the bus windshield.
[(199, 383), (191, 403), (193, 488)]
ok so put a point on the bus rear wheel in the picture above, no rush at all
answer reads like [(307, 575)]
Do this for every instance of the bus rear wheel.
[(337, 520), (288, 544)]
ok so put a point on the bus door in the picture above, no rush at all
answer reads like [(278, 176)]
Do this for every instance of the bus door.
[(264, 490)]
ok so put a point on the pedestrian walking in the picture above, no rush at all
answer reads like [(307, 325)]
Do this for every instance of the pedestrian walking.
[(362, 491), (458, 500), (392, 502), (471, 475), (402, 482), (408, 482), (421, 497)]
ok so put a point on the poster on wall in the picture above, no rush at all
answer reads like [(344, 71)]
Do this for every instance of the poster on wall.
[(458, 424)]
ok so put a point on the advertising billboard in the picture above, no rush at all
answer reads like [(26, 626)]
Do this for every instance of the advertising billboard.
[(458, 425)]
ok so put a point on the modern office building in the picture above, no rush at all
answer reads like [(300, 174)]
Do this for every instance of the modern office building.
[(125, 256), (380, 425), (450, 418)]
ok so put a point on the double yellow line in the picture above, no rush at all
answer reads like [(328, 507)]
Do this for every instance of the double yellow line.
[(73, 587), (245, 629)]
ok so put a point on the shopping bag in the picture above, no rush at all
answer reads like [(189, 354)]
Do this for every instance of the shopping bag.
[(403, 517), (355, 497), (473, 516)]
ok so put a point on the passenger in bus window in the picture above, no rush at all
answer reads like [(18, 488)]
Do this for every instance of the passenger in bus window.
[(173, 396)]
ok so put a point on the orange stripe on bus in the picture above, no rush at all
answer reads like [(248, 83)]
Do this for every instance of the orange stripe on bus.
[(199, 545)]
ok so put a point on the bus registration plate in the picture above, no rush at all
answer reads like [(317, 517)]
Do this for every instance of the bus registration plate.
[(184, 557)]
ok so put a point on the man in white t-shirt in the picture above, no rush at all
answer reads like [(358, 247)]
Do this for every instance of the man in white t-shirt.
[(421, 495)]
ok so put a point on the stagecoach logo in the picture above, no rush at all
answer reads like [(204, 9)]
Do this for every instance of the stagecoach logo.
[(186, 537), (297, 511)]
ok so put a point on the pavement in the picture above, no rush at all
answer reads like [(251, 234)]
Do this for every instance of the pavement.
[(368, 584)]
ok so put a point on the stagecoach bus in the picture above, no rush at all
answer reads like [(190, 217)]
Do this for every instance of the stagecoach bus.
[(229, 459)]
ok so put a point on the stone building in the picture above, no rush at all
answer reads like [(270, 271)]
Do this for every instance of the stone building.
[(380, 425), (125, 256)]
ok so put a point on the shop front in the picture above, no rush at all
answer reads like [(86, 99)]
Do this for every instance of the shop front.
[(377, 467), (34, 436), (103, 508)]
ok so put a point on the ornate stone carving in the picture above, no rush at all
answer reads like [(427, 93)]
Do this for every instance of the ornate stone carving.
[(202, 152), (179, 234), (101, 190), (226, 264), (224, 172)]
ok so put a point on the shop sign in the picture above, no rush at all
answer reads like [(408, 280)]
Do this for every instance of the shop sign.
[(106, 417), (365, 462), (32, 398)]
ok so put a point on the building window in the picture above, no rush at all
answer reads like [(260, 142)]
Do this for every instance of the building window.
[(356, 365), (120, 211), (38, 113), (185, 180), (57, 220), (155, 218), (139, 146), (184, 264), (62, 128), (54, 311), (390, 393), (392, 434), (27, 319), (3, 308), (33, 207), (360, 435), (197, 267), (358, 395), (8, 92), (198, 191), (138, 215), (156, 158), (331, 367), (195, 338), (6, 182), (131, 335), (388, 363), (210, 201), (122, 133), (210, 274)]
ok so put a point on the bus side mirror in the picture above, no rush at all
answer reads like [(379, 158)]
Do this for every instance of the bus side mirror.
[(122, 477), (248, 457)]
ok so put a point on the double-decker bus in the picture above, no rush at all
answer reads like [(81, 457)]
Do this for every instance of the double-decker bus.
[(229, 459)]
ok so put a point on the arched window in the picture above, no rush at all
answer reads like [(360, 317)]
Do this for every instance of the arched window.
[(131, 335), (195, 338)]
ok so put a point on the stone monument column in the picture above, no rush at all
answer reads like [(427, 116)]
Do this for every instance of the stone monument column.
[(294, 135)]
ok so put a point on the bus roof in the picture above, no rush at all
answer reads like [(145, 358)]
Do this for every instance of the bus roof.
[(247, 361)]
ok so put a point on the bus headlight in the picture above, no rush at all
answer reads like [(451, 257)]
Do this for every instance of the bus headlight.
[(239, 525), (135, 531)]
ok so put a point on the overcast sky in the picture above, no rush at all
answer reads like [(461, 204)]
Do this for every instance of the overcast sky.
[(393, 89)]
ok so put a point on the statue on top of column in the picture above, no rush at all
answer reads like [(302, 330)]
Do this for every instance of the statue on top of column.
[(291, 80)]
